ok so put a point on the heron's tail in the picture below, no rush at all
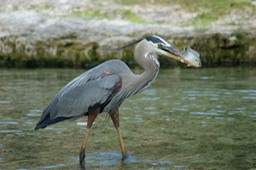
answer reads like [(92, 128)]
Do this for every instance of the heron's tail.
[(46, 121)]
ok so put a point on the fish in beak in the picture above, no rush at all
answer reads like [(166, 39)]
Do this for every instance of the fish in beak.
[(187, 56)]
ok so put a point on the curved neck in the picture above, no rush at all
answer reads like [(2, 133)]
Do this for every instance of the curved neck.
[(148, 62)]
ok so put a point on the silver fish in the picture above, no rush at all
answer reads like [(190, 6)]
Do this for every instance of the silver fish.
[(192, 57)]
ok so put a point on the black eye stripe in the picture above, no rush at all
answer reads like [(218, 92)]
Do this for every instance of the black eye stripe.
[(155, 40)]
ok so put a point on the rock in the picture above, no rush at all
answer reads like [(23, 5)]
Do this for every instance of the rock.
[(44, 37)]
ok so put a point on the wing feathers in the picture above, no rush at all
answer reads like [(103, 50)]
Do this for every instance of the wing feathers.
[(77, 97)]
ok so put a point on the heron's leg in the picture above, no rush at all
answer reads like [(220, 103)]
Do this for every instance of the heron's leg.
[(91, 117), (115, 118)]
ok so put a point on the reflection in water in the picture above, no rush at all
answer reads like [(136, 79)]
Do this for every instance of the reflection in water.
[(187, 119), (110, 159)]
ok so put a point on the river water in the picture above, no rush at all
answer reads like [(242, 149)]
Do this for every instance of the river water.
[(187, 119)]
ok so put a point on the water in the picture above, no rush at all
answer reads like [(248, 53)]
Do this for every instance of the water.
[(187, 119)]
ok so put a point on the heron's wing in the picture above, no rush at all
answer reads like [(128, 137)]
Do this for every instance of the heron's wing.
[(79, 96), (77, 100), (92, 89)]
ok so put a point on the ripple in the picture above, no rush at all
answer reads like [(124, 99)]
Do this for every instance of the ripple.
[(214, 99), (192, 98), (52, 166), (205, 94), (168, 97), (4, 102), (204, 113), (152, 113), (33, 115), (150, 91), (9, 123), (149, 108), (204, 78), (81, 123), (254, 115), (10, 131), (245, 91), (180, 166), (138, 118), (249, 97), (232, 112), (220, 111), (181, 109), (37, 110), (240, 108), (126, 108), (149, 98), (160, 163)]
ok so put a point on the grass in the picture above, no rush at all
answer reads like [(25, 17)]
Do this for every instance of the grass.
[(208, 10), (131, 16), (96, 14), (45, 6), (203, 19), (88, 14)]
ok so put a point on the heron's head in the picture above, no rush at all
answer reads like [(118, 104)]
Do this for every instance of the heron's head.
[(155, 44), (161, 47)]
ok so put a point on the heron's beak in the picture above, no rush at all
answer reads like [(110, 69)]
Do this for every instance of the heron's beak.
[(175, 54)]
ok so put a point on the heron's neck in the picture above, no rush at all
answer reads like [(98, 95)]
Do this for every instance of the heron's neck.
[(150, 65)]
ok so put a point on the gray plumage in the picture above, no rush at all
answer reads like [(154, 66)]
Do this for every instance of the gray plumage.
[(107, 85)]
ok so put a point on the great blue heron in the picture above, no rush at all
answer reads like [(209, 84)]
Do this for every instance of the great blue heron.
[(104, 87)]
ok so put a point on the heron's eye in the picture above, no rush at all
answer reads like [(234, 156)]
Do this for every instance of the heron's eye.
[(160, 45)]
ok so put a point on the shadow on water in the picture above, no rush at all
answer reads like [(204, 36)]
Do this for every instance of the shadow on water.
[(200, 119)]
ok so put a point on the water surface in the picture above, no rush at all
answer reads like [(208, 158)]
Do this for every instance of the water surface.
[(187, 119)]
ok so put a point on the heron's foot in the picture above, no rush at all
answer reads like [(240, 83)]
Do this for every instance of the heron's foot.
[(81, 157), (125, 156)]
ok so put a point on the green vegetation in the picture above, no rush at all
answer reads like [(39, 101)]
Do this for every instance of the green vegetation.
[(97, 14), (239, 34), (208, 10), (204, 19), (46, 6), (216, 6), (131, 16), (88, 14)]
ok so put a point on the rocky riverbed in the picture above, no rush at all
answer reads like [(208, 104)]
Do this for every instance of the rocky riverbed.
[(82, 33)]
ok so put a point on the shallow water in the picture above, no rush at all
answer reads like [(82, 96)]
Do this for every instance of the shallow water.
[(187, 119)]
